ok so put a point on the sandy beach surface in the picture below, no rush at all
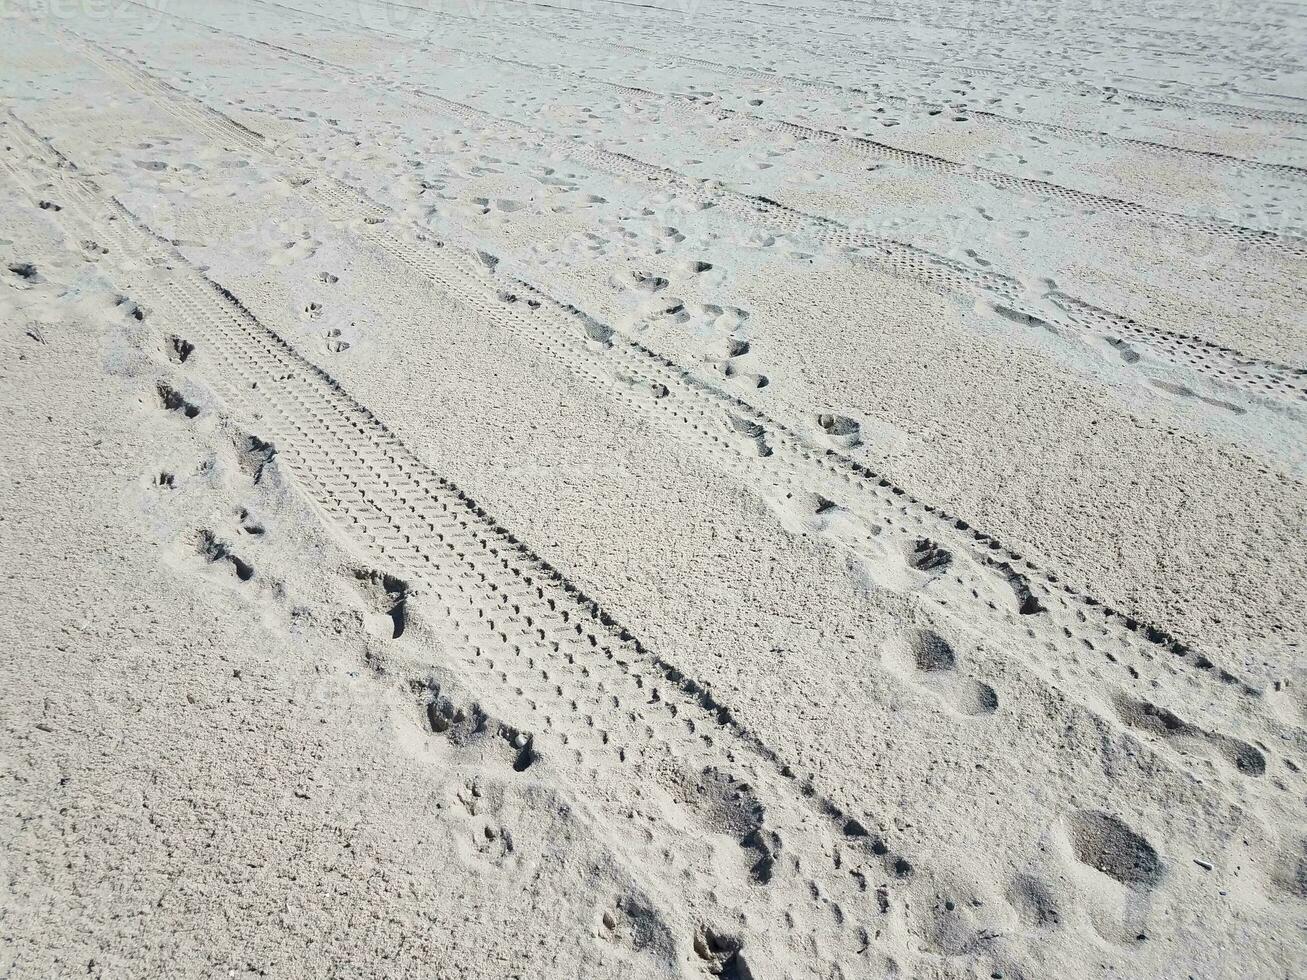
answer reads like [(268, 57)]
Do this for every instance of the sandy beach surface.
[(722, 488)]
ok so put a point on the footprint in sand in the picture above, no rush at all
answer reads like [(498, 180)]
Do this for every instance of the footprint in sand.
[(926, 659), (334, 343), (722, 805), (254, 456), (1111, 847), (746, 379), (170, 399), (1184, 391), (1155, 720), (387, 597), (1113, 867), (178, 349), (1288, 876), (469, 728), (294, 249), (217, 552), (723, 352), (840, 430)]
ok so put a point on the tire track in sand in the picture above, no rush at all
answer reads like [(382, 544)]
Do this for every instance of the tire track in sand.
[(652, 384), (586, 689), (875, 93), (1008, 296)]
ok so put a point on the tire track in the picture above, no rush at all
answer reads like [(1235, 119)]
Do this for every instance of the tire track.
[(1089, 50), (691, 106), (1024, 77), (1107, 37), (588, 687), (1005, 585), (583, 686), (1111, 93), (996, 120), (1256, 376), (875, 93), (1083, 17), (580, 684)]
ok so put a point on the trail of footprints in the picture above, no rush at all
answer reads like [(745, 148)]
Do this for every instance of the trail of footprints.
[(519, 652), (1147, 717), (690, 106), (560, 660), (875, 93), (684, 102), (980, 116), (1003, 293), (594, 697), (744, 424), (928, 659), (657, 376), (729, 369)]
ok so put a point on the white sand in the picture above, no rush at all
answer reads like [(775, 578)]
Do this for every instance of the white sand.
[(805, 489)]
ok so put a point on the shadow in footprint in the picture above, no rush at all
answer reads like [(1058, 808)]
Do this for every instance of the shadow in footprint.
[(1147, 717), (929, 661), (728, 806), (179, 349), (1109, 845), (1034, 903), (470, 727), (840, 430), (388, 597), (215, 551), (171, 399), (253, 456)]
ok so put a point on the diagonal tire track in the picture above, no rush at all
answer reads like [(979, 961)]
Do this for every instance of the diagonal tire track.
[(587, 687), (876, 94), (702, 414), (1258, 376), (1020, 73)]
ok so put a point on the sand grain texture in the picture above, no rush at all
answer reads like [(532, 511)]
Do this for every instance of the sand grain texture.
[(759, 490)]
